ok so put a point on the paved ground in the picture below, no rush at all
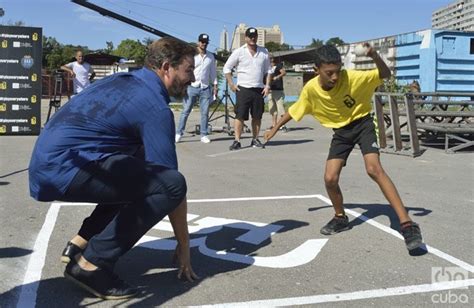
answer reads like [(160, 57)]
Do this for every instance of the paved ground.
[(255, 217)]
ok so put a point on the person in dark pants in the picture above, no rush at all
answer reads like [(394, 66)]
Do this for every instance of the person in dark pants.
[(251, 62), (276, 97), (341, 99), (90, 152)]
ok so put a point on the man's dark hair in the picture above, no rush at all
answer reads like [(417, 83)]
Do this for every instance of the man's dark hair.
[(167, 49), (327, 54)]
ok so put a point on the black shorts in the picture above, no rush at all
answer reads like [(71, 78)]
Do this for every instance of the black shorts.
[(361, 132), (249, 99)]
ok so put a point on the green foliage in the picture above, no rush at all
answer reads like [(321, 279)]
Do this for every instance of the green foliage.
[(222, 55), (56, 54), (391, 85), (132, 50), (336, 41), (147, 41), (316, 43), (272, 46)]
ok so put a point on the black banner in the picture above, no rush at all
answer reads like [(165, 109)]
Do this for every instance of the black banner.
[(20, 80)]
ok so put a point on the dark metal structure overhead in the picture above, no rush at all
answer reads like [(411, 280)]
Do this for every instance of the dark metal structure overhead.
[(100, 59), (297, 56)]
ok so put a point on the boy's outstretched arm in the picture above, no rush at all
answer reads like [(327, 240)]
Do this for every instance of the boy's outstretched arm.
[(270, 133), (384, 71)]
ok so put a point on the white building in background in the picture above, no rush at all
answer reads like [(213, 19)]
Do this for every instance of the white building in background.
[(265, 35), (224, 40), (458, 15)]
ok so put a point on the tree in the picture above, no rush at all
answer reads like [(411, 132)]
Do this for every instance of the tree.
[(273, 46), (56, 54), (222, 56), (315, 43), (336, 41), (147, 41), (109, 48), (131, 49)]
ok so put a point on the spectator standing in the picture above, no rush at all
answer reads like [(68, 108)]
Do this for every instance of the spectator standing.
[(81, 72), (251, 63), (276, 98), (206, 80)]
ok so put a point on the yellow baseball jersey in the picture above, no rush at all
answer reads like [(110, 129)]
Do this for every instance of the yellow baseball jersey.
[(349, 100)]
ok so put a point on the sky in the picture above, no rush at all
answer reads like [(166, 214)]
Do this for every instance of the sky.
[(300, 20)]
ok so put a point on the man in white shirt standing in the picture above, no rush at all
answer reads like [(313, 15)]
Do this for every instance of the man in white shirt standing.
[(79, 71), (206, 78), (251, 62)]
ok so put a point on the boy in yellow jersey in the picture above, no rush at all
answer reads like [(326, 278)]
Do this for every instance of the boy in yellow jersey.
[(341, 99)]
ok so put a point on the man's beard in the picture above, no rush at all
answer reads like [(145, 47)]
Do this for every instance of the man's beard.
[(177, 89)]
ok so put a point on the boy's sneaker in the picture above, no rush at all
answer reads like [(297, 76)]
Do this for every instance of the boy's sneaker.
[(101, 283), (235, 145), (284, 128), (412, 234), (205, 139), (69, 252), (256, 144), (177, 138), (336, 225)]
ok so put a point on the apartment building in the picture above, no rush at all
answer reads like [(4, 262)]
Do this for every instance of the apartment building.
[(459, 15)]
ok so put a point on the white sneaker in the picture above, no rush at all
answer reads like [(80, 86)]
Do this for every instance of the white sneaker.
[(205, 139), (177, 138)]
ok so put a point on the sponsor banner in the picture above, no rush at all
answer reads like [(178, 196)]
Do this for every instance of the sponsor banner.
[(20, 80)]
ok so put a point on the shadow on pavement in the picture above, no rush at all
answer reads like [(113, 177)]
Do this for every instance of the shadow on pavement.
[(12, 173), (375, 210), (153, 272), (284, 142), (14, 252)]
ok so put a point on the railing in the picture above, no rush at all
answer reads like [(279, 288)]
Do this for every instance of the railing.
[(448, 114), (48, 84)]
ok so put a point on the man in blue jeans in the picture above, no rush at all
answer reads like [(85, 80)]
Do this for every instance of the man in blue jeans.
[(113, 144), (206, 81)]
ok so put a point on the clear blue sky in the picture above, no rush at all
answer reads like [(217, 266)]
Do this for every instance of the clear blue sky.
[(299, 20)]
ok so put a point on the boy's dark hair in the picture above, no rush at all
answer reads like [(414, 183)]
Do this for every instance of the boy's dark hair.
[(327, 54)]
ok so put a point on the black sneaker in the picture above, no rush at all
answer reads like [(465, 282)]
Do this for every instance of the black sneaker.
[(284, 129), (101, 283), (336, 225), (235, 146), (256, 144), (412, 234), (69, 252)]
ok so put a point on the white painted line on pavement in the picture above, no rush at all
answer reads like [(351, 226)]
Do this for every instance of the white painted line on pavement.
[(247, 148), (229, 152), (255, 198), (28, 294), (339, 297), (32, 277), (389, 230)]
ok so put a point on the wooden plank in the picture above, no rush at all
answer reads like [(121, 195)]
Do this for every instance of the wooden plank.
[(378, 109), (439, 113), (397, 138), (412, 130)]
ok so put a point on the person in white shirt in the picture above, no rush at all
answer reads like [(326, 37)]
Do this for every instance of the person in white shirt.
[(206, 78), (251, 63), (79, 71)]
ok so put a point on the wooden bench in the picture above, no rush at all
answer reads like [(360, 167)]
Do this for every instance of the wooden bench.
[(451, 131), (438, 114)]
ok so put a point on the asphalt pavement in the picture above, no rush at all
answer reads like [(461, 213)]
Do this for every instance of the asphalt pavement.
[(254, 218)]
